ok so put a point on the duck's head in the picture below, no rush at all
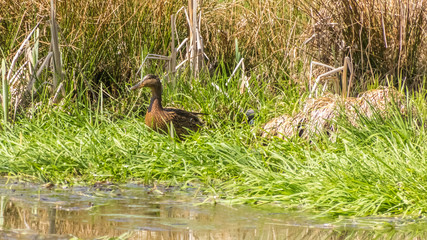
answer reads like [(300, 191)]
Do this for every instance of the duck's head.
[(150, 80)]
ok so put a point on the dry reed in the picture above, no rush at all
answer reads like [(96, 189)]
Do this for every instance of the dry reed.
[(381, 37)]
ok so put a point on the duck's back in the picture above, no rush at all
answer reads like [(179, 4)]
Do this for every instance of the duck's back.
[(181, 120)]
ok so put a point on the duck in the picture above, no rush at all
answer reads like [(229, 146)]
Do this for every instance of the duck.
[(160, 119)]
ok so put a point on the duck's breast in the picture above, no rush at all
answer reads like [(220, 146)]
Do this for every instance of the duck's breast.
[(156, 121)]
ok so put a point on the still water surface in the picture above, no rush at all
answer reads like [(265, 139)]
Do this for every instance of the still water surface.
[(30, 211)]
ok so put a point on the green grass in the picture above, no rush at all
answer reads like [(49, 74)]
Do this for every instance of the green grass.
[(378, 168)]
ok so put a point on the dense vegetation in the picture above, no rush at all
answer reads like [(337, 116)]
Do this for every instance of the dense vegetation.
[(97, 132)]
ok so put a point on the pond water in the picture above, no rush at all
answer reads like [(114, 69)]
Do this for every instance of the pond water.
[(133, 211)]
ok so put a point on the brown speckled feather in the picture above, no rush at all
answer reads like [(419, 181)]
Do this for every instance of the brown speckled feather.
[(181, 120)]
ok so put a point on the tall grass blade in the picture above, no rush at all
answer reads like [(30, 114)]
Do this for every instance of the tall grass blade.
[(172, 63), (44, 64), (18, 53), (57, 67), (5, 91)]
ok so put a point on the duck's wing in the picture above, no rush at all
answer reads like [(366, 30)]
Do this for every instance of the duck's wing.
[(198, 113), (183, 115), (183, 119), (180, 111)]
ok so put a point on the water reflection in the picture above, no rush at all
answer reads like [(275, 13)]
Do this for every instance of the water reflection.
[(29, 211)]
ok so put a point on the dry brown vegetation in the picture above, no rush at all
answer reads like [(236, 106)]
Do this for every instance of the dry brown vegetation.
[(104, 40), (320, 115), (383, 38)]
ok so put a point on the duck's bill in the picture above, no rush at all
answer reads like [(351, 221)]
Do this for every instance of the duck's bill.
[(136, 86)]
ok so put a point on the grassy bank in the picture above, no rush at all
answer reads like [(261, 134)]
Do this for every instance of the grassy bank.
[(378, 168)]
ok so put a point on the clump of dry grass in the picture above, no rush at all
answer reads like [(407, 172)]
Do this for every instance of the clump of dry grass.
[(283, 127), (315, 117), (319, 115), (382, 37), (267, 32), (381, 100)]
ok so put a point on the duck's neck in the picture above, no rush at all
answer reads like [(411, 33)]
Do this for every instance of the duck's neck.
[(156, 99)]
